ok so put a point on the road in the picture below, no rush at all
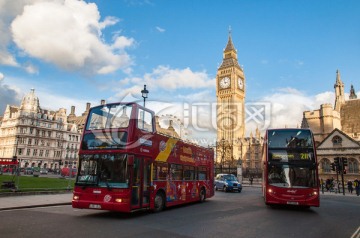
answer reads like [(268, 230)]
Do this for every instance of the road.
[(225, 215)]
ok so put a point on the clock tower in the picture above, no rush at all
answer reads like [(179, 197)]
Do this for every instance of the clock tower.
[(230, 94)]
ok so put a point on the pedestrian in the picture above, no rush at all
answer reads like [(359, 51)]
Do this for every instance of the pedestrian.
[(357, 187), (350, 186), (328, 182), (251, 180), (322, 185)]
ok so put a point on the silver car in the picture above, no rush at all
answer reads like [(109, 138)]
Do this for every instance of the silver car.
[(227, 182)]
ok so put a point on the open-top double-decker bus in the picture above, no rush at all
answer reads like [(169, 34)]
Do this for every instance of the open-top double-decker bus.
[(126, 165), (290, 173)]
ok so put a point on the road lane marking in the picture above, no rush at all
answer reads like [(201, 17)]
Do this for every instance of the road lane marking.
[(356, 233)]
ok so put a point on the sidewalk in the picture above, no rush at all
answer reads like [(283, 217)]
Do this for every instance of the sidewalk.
[(339, 194), (39, 200)]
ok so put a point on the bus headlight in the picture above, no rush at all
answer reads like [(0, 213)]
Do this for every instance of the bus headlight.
[(75, 197), (119, 200)]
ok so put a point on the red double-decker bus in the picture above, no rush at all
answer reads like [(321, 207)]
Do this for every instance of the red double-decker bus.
[(125, 165), (290, 173)]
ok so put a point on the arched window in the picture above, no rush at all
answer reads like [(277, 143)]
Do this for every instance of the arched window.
[(325, 165), (353, 166), (337, 141)]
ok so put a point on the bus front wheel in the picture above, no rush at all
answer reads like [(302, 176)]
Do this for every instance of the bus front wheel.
[(159, 202)]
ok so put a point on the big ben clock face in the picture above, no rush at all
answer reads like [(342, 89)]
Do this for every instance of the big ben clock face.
[(240, 83), (224, 82)]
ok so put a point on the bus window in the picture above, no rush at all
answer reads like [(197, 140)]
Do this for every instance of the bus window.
[(160, 171), (189, 173), (144, 121), (111, 116), (202, 173), (176, 172), (119, 117)]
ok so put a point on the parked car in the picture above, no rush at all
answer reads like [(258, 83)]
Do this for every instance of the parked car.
[(43, 171), (65, 172), (36, 171), (28, 170), (227, 182)]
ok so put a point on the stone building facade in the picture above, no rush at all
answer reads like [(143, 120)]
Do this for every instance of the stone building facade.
[(38, 137), (336, 131)]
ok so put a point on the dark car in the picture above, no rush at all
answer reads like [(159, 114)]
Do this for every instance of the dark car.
[(227, 182)]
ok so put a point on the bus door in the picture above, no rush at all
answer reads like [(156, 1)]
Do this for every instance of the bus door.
[(140, 197)]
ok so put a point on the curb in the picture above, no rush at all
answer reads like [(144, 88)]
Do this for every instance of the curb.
[(10, 194), (34, 206)]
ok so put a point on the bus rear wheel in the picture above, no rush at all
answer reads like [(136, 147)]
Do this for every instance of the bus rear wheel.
[(159, 202)]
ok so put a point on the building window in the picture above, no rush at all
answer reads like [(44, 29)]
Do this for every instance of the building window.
[(35, 152), (325, 165), (353, 166), (28, 152), (337, 141)]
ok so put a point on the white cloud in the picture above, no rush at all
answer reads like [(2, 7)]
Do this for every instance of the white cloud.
[(67, 33), (160, 29), (164, 79), (287, 107), (8, 95), (31, 69), (170, 79)]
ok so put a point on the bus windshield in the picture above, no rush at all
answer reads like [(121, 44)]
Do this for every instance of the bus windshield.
[(294, 176), (109, 116), (291, 138), (103, 170)]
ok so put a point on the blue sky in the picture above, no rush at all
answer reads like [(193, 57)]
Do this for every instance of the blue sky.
[(73, 52)]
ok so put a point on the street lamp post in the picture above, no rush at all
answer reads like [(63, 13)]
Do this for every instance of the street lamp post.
[(144, 93), (223, 152), (239, 169)]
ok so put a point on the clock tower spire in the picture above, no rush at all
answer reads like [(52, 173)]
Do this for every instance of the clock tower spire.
[(230, 94)]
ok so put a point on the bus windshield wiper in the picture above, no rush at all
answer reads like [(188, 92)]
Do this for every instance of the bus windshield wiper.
[(107, 185), (104, 179)]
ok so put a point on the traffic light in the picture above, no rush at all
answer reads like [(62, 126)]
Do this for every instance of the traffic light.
[(344, 172), (336, 161), (345, 162), (333, 166)]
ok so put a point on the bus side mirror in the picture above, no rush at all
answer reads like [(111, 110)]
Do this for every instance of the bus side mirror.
[(130, 160)]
